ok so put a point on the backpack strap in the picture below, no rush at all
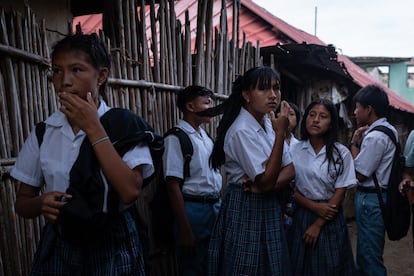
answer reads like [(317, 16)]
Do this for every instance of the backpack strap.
[(186, 147), (388, 132), (40, 132), (391, 135)]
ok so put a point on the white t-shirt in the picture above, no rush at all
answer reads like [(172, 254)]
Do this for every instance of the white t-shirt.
[(51, 164), (247, 147)]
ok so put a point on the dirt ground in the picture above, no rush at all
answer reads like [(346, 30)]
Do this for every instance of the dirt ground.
[(398, 255)]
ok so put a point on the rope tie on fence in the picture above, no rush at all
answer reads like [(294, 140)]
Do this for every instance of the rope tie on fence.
[(153, 98), (4, 173)]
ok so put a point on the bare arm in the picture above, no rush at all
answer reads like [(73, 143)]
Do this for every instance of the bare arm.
[(266, 181), (407, 179), (325, 211), (29, 204), (187, 238), (286, 175), (356, 147)]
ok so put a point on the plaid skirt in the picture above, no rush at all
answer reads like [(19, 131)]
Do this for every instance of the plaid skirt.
[(332, 254), (248, 237), (119, 252)]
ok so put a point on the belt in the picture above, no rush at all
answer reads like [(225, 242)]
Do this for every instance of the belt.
[(369, 189), (200, 199)]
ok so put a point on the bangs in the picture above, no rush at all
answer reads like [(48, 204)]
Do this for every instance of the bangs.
[(264, 78), (267, 82)]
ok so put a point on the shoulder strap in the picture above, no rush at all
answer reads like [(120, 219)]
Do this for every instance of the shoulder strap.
[(388, 132), (391, 135), (186, 147), (40, 132)]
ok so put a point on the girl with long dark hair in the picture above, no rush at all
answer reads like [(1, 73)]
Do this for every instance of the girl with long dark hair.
[(324, 169), (248, 237)]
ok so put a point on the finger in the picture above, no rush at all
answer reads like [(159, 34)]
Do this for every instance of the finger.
[(284, 108), (65, 103), (313, 242), (272, 115), (50, 212), (89, 98)]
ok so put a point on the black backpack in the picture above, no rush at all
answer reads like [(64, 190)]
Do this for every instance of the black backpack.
[(396, 211), (162, 216), (84, 217)]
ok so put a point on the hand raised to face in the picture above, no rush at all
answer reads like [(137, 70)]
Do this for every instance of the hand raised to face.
[(280, 123)]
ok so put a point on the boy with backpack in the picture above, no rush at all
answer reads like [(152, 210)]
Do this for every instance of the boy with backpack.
[(194, 196), (373, 153)]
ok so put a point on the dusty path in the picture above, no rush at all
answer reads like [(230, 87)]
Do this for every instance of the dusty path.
[(398, 255)]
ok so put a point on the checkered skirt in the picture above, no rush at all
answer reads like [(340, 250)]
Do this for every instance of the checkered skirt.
[(248, 237), (119, 252), (332, 255)]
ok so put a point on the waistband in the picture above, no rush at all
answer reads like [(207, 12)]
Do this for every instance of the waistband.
[(201, 199), (369, 189)]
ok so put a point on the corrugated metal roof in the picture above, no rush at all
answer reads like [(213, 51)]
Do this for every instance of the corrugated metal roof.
[(362, 78), (260, 25), (290, 31)]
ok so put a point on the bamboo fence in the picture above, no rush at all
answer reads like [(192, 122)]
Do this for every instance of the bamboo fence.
[(147, 72)]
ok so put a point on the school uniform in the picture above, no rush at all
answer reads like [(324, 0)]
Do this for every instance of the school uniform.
[(293, 140), (288, 204), (375, 156), (50, 165), (332, 254), (409, 150), (201, 191), (248, 237)]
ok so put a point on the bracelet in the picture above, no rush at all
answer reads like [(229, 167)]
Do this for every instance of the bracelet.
[(100, 140), (355, 145)]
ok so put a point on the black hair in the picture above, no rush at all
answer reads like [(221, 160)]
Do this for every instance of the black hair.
[(374, 96), (92, 46), (190, 93), (330, 137), (260, 77)]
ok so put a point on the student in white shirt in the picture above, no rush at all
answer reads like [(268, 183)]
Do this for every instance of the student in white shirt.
[(324, 169), (248, 237), (81, 65), (286, 198), (195, 199), (373, 152)]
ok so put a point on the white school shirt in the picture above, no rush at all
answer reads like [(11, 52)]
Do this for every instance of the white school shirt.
[(293, 140), (376, 155), (247, 147), (60, 148), (203, 179), (409, 150), (311, 171)]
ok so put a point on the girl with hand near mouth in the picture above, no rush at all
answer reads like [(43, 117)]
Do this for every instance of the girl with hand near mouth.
[(248, 237), (81, 66)]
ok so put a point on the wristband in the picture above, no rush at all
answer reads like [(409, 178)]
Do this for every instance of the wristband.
[(100, 140)]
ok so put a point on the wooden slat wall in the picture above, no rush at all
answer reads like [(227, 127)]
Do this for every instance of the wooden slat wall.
[(145, 77)]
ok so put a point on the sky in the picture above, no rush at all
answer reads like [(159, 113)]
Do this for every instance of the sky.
[(354, 27)]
